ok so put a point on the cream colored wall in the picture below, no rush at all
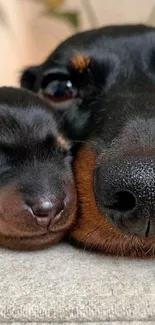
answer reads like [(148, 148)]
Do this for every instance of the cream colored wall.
[(28, 37)]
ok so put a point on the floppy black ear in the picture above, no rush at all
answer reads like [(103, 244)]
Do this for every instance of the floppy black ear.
[(28, 78)]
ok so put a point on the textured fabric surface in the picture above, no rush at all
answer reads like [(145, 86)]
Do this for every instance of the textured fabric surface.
[(86, 323), (65, 285)]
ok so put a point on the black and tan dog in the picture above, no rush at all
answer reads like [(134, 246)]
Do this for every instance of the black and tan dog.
[(37, 193), (102, 85)]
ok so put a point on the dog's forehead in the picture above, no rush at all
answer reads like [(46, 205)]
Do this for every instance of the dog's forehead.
[(111, 39), (25, 118), (26, 123)]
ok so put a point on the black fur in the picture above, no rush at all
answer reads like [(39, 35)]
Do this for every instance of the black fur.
[(28, 132), (120, 56)]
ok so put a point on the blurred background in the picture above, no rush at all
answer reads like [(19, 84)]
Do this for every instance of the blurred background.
[(31, 29)]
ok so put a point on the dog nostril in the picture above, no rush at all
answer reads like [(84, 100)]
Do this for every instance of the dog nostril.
[(123, 201)]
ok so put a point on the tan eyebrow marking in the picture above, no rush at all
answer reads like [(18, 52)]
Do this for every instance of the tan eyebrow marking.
[(62, 142), (80, 62)]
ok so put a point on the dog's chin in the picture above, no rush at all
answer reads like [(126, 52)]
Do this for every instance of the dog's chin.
[(21, 230), (34, 242), (95, 231), (18, 239), (25, 237)]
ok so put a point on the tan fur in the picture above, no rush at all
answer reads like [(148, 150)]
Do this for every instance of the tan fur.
[(95, 231), (80, 62), (62, 142)]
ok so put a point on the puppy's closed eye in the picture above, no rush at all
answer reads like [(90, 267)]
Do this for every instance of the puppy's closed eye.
[(5, 163)]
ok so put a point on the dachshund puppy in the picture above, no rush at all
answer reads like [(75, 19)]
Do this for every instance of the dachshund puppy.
[(86, 66), (37, 192)]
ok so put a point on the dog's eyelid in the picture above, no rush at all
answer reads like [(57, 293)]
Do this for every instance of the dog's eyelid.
[(52, 78), (56, 70), (52, 75)]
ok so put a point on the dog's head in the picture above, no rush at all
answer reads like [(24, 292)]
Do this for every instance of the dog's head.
[(86, 66), (37, 194)]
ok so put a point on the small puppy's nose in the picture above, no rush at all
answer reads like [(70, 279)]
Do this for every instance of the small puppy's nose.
[(42, 208), (125, 191), (46, 211)]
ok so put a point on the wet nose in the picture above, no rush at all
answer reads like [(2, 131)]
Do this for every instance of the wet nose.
[(125, 192), (42, 208), (45, 210)]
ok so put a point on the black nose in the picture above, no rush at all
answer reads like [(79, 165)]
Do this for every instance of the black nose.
[(42, 207), (125, 192), (46, 210)]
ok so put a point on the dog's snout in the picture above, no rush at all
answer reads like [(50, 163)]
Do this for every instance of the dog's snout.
[(125, 192)]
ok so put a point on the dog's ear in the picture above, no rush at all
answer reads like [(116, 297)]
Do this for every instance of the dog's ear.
[(28, 77)]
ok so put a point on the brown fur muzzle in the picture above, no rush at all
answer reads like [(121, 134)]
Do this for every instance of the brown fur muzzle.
[(93, 230), (19, 229)]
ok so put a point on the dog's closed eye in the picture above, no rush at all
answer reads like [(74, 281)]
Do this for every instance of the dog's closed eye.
[(5, 163)]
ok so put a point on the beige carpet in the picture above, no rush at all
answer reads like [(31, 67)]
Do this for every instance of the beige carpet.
[(67, 286)]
